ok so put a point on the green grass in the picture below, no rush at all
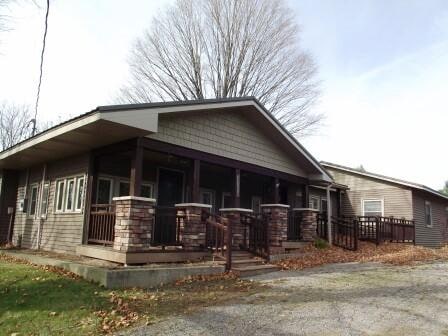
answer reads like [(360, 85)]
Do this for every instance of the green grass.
[(38, 302)]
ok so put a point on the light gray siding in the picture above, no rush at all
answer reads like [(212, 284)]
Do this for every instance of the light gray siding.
[(60, 232), (435, 235), (228, 134), (322, 194), (397, 199)]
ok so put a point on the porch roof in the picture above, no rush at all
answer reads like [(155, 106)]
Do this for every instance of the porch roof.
[(111, 124)]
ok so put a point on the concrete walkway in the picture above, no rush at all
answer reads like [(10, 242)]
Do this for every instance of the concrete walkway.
[(344, 299)]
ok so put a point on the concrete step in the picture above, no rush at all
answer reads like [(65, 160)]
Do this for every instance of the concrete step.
[(247, 262), (255, 270)]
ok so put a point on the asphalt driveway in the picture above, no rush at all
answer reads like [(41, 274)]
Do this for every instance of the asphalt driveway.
[(343, 299)]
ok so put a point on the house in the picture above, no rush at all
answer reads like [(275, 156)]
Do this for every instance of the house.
[(372, 194), (160, 182)]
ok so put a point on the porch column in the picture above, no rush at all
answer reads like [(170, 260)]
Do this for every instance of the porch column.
[(237, 228), (305, 196), (136, 171), (134, 220), (277, 221), (195, 181), (236, 188), (192, 226), (276, 191), (308, 223)]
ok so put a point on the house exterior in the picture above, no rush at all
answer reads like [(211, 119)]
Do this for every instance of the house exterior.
[(158, 182), (371, 194)]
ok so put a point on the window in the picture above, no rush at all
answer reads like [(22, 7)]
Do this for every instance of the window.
[(124, 188), (314, 202), (44, 201), (79, 193), (373, 207), (60, 186), (323, 205), (104, 191), (208, 197), (33, 200), (226, 201), (70, 195), (255, 204), (147, 190), (428, 213)]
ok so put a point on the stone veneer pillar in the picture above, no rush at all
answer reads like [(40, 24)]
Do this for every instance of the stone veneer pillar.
[(277, 215), (234, 217), (134, 220), (309, 223), (192, 227)]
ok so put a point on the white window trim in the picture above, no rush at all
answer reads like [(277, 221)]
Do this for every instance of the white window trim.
[(111, 187), (373, 200), (33, 186), (83, 198), (47, 199), (152, 185), (66, 180), (430, 215), (311, 203), (56, 198)]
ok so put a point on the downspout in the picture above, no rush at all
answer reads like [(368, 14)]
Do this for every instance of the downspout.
[(329, 231), (39, 203)]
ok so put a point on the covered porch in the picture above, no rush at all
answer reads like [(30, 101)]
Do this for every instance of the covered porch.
[(150, 201)]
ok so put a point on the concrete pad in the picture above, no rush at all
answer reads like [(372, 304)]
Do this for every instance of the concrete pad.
[(126, 277)]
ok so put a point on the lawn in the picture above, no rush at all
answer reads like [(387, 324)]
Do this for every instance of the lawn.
[(38, 300)]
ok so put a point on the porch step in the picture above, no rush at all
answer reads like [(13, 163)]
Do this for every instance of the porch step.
[(247, 262), (254, 270)]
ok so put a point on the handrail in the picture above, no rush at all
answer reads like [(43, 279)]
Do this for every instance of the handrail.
[(102, 224)]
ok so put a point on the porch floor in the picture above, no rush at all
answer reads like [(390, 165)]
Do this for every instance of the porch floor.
[(153, 255)]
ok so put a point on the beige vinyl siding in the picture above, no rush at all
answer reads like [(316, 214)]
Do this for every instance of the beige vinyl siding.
[(433, 236), (397, 200), (61, 232), (227, 134), (322, 194)]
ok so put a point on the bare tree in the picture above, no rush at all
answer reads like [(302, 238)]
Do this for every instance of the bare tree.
[(14, 124), (200, 49)]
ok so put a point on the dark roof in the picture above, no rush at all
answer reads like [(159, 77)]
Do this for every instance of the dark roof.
[(384, 178)]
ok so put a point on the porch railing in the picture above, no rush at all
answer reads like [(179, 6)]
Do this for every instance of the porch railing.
[(257, 234), (345, 232), (215, 232), (322, 228), (379, 229), (166, 228), (294, 232), (102, 224)]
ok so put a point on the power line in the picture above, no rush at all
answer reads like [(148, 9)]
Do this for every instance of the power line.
[(34, 121)]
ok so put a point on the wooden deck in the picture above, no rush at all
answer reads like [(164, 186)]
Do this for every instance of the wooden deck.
[(155, 255)]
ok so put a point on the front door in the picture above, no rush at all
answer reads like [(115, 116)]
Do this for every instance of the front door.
[(170, 192)]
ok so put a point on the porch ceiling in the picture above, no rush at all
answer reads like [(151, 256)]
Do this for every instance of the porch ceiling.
[(75, 138)]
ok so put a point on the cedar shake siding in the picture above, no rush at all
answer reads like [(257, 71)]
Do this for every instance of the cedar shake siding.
[(61, 232), (228, 134)]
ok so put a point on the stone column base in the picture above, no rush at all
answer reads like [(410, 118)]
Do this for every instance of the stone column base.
[(192, 227)]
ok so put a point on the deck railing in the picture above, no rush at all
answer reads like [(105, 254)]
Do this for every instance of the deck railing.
[(294, 232), (166, 228), (102, 224), (215, 232), (322, 228), (345, 232), (257, 234), (379, 229)]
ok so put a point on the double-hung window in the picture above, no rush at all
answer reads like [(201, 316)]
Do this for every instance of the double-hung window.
[(70, 194), (44, 200), (373, 207), (314, 203), (33, 200), (428, 214)]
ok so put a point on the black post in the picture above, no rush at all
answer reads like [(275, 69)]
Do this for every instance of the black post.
[(229, 245)]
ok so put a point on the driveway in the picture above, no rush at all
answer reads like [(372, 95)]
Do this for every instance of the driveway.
[(342, 299)]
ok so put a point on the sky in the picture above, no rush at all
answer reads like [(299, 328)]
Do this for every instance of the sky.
[(383, 67)]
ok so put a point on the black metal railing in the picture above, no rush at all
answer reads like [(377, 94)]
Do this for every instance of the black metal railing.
[(294, 232), (166, 229), (256, 235)]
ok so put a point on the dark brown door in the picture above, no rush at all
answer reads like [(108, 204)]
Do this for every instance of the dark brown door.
[(170, 192)]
